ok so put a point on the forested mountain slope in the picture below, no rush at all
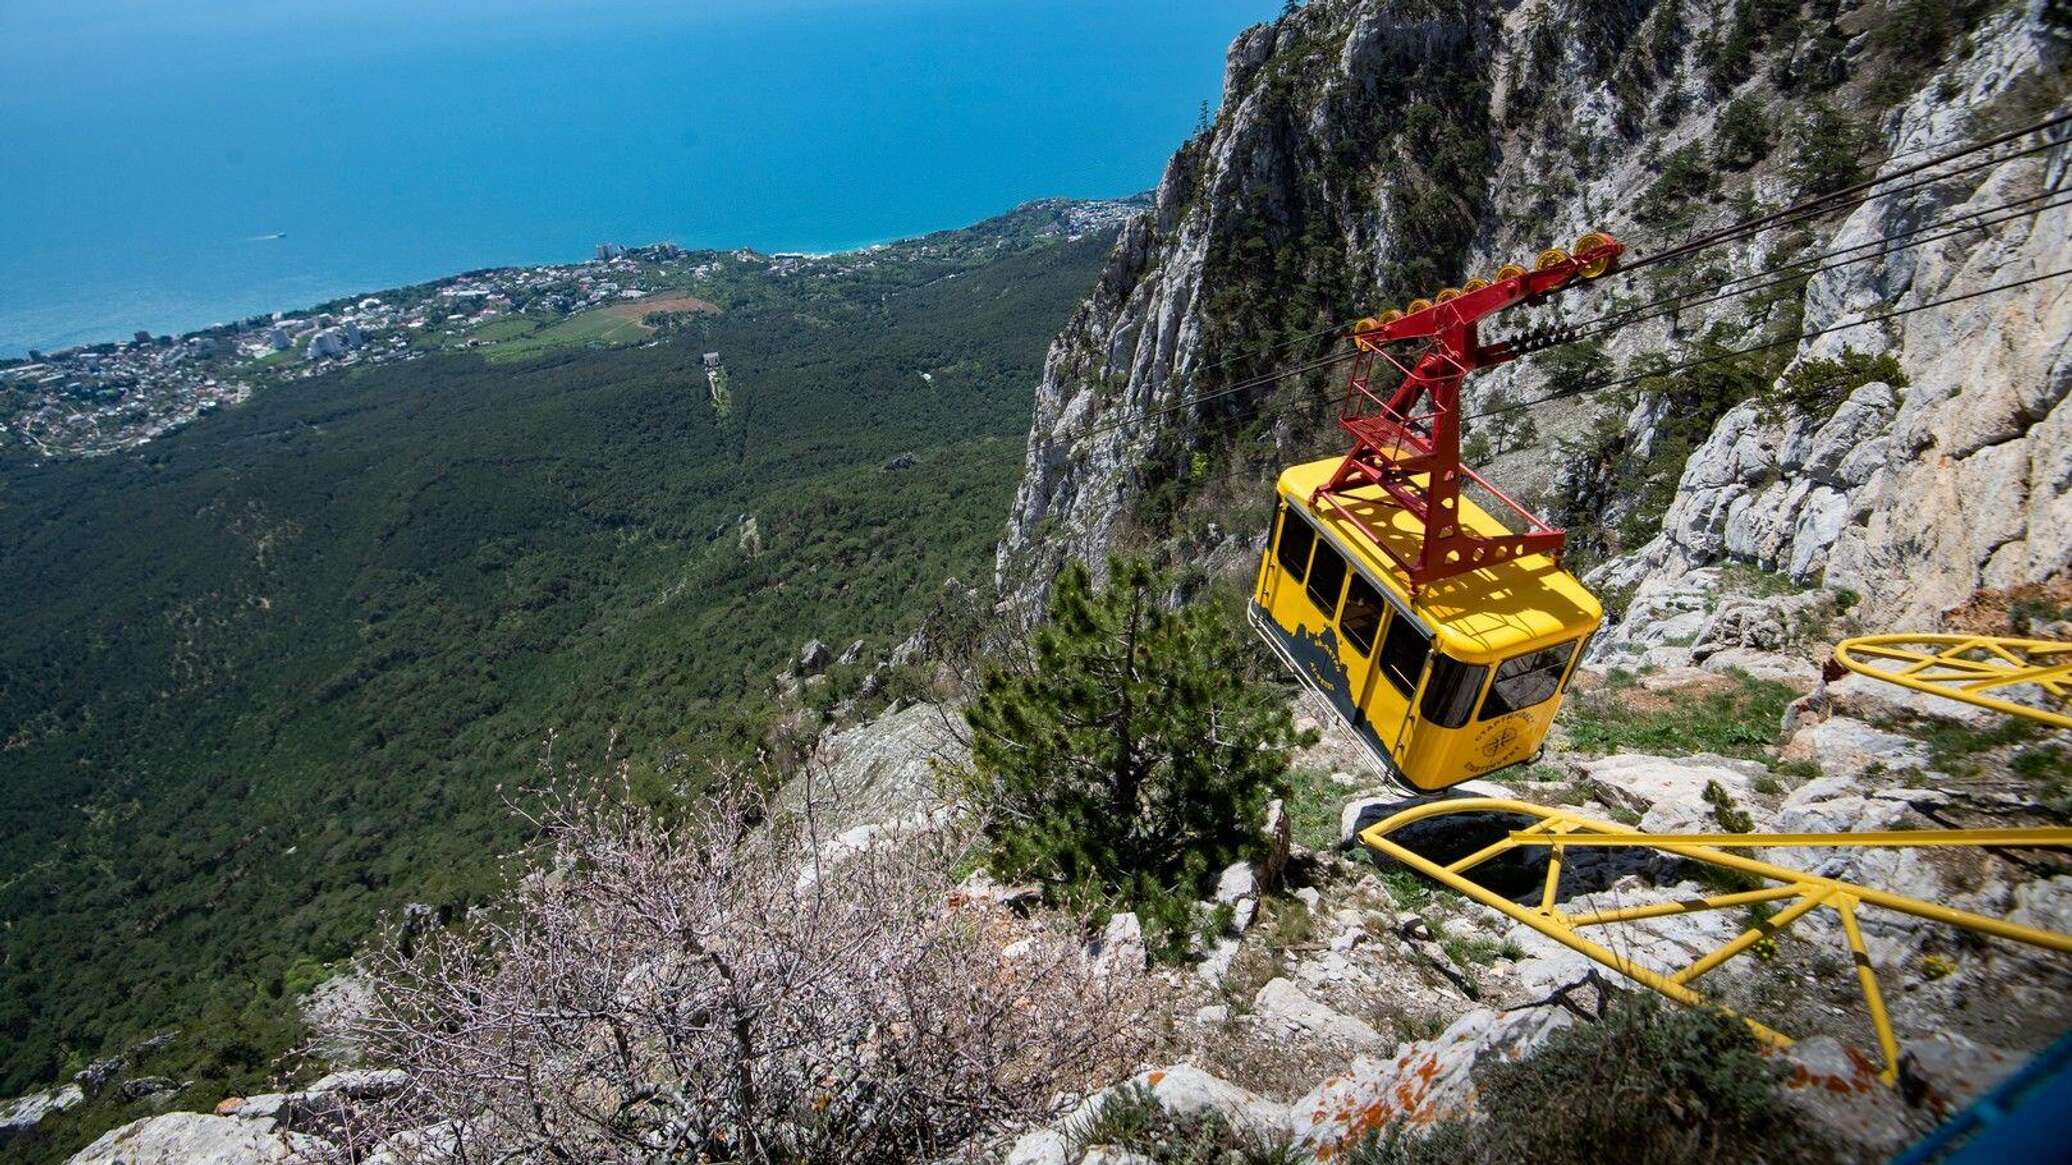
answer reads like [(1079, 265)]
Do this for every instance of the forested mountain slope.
[(268, 677), (1369, 152)]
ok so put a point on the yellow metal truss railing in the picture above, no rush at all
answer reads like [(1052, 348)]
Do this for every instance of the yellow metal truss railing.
[(1558, 829), (1969, 668)]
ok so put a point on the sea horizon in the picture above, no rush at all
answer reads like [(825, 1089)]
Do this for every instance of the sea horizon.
[(289, 310), (467, 139)]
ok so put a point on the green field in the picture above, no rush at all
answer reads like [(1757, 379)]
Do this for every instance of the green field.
[(583, 329)]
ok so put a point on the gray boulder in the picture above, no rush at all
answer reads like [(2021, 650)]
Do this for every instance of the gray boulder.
[(814, 657), (1282, 1002), (24, 1113), (192, 1138), (1425, 1081)]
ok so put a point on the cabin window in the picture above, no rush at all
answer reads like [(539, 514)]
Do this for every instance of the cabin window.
[(1527, 680), (1361, 620), (1292, 552), (1450, 694), (1403, 654), (1580, 653), (1326, 578)]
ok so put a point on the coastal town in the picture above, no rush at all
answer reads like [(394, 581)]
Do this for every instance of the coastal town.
[(103, 398)]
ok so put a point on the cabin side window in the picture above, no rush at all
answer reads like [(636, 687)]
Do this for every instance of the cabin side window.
[(1450, 694), (1326, 579), (1527, 680), (1581, 651), (1403, 654), (1361, 619), (1292, 551)]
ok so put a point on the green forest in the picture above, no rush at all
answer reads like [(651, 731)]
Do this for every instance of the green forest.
[(273, 676)]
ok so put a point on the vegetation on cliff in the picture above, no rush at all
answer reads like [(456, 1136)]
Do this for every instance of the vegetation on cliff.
[(262, 680), (1131, 759)]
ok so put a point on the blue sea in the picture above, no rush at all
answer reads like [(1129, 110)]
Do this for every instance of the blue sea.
[(169, 164)]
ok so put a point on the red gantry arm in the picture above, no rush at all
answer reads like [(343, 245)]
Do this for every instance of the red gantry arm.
[(1406, 438)]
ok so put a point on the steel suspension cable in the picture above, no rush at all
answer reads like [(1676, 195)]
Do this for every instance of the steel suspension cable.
[(1682, 302), (1827, 203), (1619, 382), (1799, 337), (1858, 193), (1093, 430)]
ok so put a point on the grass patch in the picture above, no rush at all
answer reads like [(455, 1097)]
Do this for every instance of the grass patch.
[(1796, 770), (1479, 951), (1739, 720), (1313, 806), (1408, 889), (2050, 769), (1962, 749), (581, 330), (1292, 925), (1742, 579)]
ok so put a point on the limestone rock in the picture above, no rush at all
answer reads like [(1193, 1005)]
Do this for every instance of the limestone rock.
[(1109, 1155), (1425, 1081), (1042, 1147), (1668, 792), (24, 1113), (883, 770), (192, 1138), (1838, 1088), (1216, 963), (1238, 888), (362, 1083), (1121, 945), (1846, 747), (1237, 882), (331, 1009), (142, 1087), (1768, 623), (1185, 1090), (1280, 843), (1281, 1001), (432, 1143), (814, 657), (1666, 944)]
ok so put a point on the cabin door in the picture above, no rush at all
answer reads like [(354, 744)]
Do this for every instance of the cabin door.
[(1386, 649)]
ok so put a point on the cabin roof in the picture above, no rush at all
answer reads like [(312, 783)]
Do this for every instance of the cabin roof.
[(1490, 613)]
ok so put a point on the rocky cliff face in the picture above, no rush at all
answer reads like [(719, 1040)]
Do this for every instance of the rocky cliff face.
[(1914, 498), (1371, 151)]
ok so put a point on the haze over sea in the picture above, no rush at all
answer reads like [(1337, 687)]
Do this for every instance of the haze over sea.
[(153, 146)]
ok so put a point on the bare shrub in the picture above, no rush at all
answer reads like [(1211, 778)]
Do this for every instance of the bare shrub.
[(720, 991)]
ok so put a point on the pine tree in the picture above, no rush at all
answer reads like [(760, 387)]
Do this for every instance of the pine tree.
[(1135, 757)]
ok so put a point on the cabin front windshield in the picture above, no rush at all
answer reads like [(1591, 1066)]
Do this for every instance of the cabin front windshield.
[(1527, 680)]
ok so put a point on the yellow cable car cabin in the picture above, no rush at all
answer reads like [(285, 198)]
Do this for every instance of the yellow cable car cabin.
[(1460, 680)]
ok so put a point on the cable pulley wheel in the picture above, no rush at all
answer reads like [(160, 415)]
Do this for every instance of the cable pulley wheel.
[(1594, 241)]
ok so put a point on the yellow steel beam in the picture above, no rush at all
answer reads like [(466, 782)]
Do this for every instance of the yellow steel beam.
[(1966, 667), (1767, 928), (1559, 828), (1686, 906), (1873, 999), (1908, 838), (1554, 929)]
